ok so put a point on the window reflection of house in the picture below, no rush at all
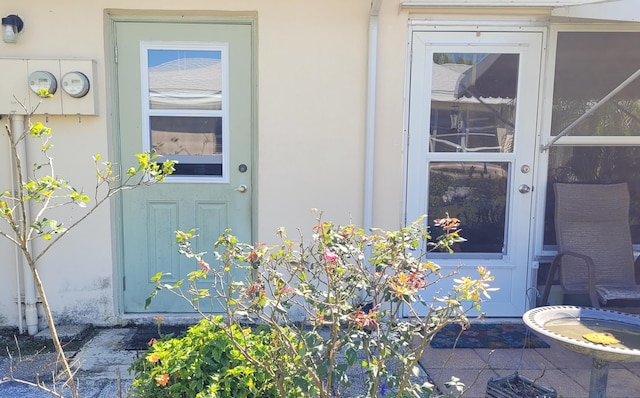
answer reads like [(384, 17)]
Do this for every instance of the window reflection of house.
[(186, 83), (455, 194), (473, 102)]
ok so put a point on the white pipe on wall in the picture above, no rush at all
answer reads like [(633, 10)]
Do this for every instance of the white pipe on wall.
[(370, 127), (19, 291), (30, 299), (18, 253)]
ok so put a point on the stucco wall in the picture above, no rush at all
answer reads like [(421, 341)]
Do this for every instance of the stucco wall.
[(311, 75), (390, 116)]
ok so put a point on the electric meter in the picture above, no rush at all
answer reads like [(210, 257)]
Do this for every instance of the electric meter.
[(76, 84), (43, 80)]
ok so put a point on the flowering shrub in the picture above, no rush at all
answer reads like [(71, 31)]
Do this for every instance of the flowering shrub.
[(345, 299)]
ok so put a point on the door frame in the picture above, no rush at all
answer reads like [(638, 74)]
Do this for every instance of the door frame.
[(111, 20), (409, 203)]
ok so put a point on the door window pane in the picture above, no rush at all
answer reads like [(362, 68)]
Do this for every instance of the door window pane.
[(185, 79), (473, 102), (476, 193), (589, 65), (194, 142)]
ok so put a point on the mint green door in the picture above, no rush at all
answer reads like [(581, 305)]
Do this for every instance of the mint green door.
[(184, 91)]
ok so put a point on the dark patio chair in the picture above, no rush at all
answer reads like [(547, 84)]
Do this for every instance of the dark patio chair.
[(595, 255)]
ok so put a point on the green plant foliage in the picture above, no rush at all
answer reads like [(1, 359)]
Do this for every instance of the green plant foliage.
[(211, 361)]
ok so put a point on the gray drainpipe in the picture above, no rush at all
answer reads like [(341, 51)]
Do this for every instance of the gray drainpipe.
[(372, 74)]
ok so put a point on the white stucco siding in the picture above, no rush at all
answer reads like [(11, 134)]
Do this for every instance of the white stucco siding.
[(8, 306), (390, 117), (79, 270), (311, 75)]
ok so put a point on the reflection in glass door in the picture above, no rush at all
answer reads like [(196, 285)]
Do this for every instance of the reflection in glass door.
[(475, 192), (472, 132), (473, 107)]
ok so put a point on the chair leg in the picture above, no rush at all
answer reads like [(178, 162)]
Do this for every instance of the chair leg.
[(547, 287), (595, 303)]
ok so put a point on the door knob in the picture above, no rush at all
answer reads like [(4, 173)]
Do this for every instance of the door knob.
[(242, 188), (524, 188)]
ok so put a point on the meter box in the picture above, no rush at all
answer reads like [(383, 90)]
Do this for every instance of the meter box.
[(78, 91), (43, 76), (13, 87), (71, 81)]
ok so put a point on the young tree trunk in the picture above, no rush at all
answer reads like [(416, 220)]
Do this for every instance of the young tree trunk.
[(66, 367)]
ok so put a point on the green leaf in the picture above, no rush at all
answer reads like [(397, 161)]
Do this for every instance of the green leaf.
[(39, 129), (351, 356), (153, 294), (157, 277), (301, 383)]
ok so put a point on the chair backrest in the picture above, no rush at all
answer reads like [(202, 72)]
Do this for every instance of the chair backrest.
[(593, 219)]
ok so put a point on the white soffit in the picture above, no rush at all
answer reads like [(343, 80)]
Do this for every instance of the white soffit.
[(613, 10), (497, 3)]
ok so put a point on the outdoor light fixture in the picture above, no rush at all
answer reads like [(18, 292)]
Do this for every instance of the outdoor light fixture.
[(13, 25)]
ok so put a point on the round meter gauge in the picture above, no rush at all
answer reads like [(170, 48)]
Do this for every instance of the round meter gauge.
[(42, 80), (76, 84)]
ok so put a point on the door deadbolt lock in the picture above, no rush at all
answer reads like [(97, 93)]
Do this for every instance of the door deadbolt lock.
[(524, 188), (525, 168)]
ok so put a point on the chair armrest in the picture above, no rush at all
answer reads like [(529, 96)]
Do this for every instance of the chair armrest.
[(555, 266), (591, 274)]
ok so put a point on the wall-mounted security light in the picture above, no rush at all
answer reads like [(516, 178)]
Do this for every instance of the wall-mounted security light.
[(12, 25)]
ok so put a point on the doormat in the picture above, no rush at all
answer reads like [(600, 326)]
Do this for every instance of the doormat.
[(143, 335), (487, 335)]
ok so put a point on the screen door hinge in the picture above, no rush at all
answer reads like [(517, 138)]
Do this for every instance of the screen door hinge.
[(124, 283), (115, 53)]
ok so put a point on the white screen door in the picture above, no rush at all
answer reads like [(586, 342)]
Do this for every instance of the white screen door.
[(472, 127)]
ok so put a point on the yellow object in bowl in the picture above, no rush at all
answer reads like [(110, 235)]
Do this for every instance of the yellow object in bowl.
[(601, 338)]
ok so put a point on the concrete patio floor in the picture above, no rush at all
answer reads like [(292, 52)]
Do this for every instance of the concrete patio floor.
[(566, 371), (104, 363)]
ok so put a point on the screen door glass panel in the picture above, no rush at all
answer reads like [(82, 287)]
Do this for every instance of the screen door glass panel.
[(473, 110), (476, 193), (473, 102)]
